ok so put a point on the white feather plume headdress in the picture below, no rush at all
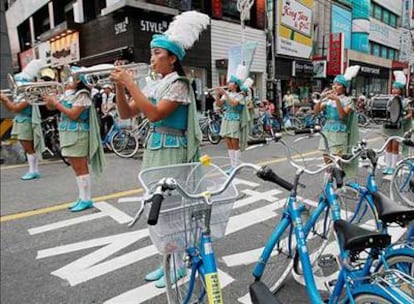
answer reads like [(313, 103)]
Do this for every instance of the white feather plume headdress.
[(400, 77), (351, 72), (182, 32), (186, 28), (31, 70)]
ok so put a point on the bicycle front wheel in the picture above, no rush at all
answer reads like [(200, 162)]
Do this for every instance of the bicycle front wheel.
[(363, 120), (368, 298), (182, 288), (124, 144), (402, 183)]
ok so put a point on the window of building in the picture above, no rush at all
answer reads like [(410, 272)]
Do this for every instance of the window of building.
[(386, 16), (384, 52), (377, 12), (391, 54), (393, 20), (376, 50)]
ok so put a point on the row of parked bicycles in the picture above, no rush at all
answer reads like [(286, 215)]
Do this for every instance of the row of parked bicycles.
[(188, 206)]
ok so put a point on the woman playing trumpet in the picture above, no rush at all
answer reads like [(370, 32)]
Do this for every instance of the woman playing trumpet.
[(339, 132), (27, 122), (79, 136)]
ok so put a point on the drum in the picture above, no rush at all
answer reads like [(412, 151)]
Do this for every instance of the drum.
[(387, 108)]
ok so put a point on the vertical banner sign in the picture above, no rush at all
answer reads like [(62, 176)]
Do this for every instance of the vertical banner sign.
[(336, 54), (341, 22), (295, 28), (217, 8), (235, 57), (65, 50)]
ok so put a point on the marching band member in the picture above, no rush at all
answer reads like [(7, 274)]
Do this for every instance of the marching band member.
[(79, 136), (27, 122), (341, 129), (175, 134), (392, 149), (234, 126)]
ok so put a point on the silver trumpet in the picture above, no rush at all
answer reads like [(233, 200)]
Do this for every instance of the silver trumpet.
[(33, 92), (213, 89), (318, 96), (100, 74)]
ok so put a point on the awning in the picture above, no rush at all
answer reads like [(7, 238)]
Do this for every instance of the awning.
[(104, 57)]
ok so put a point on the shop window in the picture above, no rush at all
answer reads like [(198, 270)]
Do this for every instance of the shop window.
[(393, 20), (377, 12), (25, 40)]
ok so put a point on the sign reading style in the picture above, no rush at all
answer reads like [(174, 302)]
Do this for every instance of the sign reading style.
[(295, 28), (336, 54)]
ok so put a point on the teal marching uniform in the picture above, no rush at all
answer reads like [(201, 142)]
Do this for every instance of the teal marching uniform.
[(335, 129), (231, 124), (80, 137), (173, 140)]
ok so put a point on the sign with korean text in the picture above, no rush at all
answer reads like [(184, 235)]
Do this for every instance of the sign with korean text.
[(65, 50), (336, 54), (294, 28)]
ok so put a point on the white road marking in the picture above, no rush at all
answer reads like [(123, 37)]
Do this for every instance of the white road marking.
[(148, 291), (105, 208), (255, 196)]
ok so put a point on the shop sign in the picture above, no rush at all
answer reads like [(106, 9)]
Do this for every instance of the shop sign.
[(65, 50), (319, 69), (301, 68), (294, 30), (374, 71), (384, 34), (296, 16), (26, 56), (153, 26), (121, 27), (340, 23), (336, 54), (44, 53)]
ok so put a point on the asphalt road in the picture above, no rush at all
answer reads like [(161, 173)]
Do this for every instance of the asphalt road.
[(50, 255)]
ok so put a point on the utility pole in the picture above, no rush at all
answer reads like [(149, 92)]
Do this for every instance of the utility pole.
[(5, 58)]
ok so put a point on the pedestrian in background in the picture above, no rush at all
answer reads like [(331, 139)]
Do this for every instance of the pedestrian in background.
[(234, 126), (79, 135), (108, 110), (27, 121), (175, 135)]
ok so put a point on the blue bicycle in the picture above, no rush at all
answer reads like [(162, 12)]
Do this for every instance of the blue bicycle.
[(355, 278)]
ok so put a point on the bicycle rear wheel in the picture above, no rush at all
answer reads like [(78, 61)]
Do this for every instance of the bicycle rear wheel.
[(124, 144), (189, 289), (363, 120), (402, 183), (367, 298)]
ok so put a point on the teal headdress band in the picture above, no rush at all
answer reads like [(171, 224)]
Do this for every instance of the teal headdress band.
[(398, 85), (341, 80), (82, 77), (235, 80), (162, 41)]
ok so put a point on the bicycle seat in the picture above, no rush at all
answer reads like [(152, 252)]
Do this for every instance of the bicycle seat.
[(354, 238), (260, 294), (390, 211)]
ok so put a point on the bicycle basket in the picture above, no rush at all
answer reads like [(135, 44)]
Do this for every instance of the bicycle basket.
[(180, 219)]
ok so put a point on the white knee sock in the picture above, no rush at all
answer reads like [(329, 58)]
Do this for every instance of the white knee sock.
[(388, 160), (31, 159), (231, 155), (237, 157), (36, 163), (84, 186), (394, 160)]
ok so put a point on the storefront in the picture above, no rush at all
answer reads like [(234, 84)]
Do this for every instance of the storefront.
[(224, 36), (371, 79)]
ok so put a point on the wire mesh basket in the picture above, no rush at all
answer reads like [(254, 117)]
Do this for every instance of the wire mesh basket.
[(180, 219)]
